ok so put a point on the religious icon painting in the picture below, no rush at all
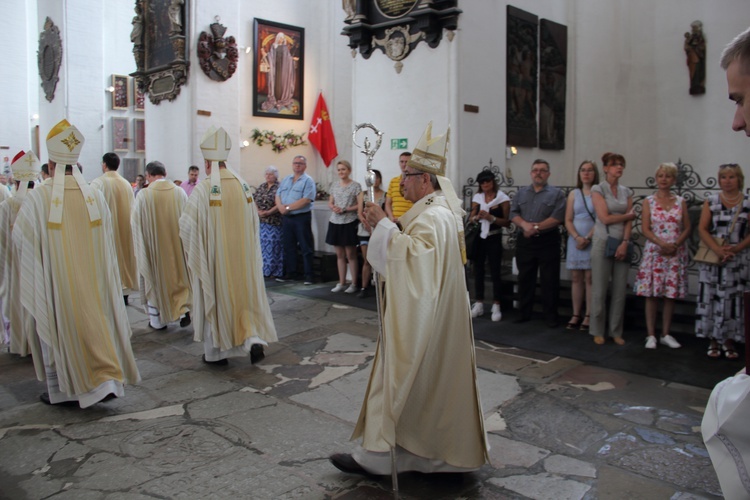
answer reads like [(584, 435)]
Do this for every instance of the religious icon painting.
[(139, 98), (139, 134), (119, 134), (120, 93), (278, 70), (521, 85)]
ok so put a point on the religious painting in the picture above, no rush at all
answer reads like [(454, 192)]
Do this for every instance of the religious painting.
[(120, 92), (119, 134), (139, 134), (553, 64), (278, 70), (130, 168), (139, 98), (521, 78), (160, 47)]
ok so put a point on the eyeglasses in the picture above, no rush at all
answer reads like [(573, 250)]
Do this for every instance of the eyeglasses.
[(728, 165), (299, 163), (539, 171), (485, 181)]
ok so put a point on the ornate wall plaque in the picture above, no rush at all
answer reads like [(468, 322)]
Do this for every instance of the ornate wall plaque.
[(49, 58), (217, 56), (160, 48), (397, 26)]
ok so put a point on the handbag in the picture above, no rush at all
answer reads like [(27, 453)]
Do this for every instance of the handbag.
[(471, 233), (705, 255), (611, 249)]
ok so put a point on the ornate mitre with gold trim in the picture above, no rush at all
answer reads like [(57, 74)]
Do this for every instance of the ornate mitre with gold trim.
[(430, 156), (64, 145), (215, 146), (26, 168)]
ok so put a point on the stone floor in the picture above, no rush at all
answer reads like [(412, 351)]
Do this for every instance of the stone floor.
[(558, 429)]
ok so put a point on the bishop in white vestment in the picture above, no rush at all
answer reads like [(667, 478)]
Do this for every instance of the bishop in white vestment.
[(165, 286), (219, 231), (422, 402), (70, 282)]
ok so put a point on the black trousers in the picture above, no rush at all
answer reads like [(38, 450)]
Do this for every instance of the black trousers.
[(489, 249), (538, 254)]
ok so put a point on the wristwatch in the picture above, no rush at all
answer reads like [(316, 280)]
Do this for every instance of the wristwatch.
[(287, 208), (536, 226)]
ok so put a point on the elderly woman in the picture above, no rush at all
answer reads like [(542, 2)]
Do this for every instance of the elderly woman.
[(663, 269), (720, 305), (613, 205), (579, 221), (270, 224), (490, 207)]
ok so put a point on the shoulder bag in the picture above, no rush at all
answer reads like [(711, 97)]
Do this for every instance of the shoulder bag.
[(704, 254)]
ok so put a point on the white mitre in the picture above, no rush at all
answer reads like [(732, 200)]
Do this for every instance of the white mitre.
[(26, 168)]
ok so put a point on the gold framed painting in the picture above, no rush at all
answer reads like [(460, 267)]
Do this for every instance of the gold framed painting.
[(120, 94)]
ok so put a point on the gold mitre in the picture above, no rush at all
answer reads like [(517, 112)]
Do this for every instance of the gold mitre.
[(64, 143), (429, 155), (216, 144), (26, 166)]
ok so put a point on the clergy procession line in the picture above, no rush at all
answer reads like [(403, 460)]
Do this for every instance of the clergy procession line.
[(74, 252)]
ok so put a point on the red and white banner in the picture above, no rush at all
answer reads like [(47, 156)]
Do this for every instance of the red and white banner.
[(321, 132)]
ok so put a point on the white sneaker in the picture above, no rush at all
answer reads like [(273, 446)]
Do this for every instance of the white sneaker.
[(338, 287), (477, 310), (651, 342), (670, 341), (352, 289), (497, 314)]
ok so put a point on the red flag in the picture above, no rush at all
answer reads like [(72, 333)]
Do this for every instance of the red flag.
[(321, 132)]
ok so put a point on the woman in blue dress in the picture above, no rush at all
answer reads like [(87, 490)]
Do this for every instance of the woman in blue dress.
[(579, 222)]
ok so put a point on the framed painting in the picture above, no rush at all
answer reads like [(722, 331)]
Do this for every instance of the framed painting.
[(521, 84), (139, 98), (278, 70), (119, 134), (120, 93), (139, 134), (553, 64), (130, 168)]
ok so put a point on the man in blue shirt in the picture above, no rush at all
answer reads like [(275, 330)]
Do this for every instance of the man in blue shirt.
[(294, 200)]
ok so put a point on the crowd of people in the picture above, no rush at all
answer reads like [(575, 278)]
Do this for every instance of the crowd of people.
[(598, 217)]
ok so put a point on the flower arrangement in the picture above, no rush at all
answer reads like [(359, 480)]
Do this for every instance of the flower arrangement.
[(278, 142), (320, 192)]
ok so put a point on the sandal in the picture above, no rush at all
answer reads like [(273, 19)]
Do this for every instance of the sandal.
[(585, 326), (713, 351), (729, 352), (572, 325)]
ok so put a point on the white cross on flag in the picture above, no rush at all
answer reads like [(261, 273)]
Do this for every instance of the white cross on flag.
[(321, 132)]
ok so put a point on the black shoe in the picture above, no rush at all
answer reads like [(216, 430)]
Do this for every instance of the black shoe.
[(185, 320), (125, 298), (157, 329), (256, 353), (362, 293), (345, 463), (522, 319), (108, 397), (44, 398), (309, 280), (221, 362)]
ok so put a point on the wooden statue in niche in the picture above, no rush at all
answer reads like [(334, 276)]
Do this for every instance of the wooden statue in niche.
[(695, 50)]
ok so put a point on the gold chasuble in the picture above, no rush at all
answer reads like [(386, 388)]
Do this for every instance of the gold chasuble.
[(422, 395), (161, 261), (120, 198), (71, 286), (222, 243)]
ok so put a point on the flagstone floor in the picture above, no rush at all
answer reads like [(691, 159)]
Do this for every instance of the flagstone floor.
[(558, 429)]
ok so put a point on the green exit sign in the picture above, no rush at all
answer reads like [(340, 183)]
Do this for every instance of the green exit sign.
[(399, 143)]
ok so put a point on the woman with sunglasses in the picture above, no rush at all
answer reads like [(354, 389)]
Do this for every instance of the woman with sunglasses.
[(490, 207), (720, 306)]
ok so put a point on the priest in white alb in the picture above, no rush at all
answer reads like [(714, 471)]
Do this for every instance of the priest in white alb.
[(219, 231), (165, 286), (120, 199), (422, 405), (70, 282), (23, 339)]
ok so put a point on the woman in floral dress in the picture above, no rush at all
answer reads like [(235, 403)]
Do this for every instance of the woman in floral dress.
[(270, 224), (720, 305), (663, 271)]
